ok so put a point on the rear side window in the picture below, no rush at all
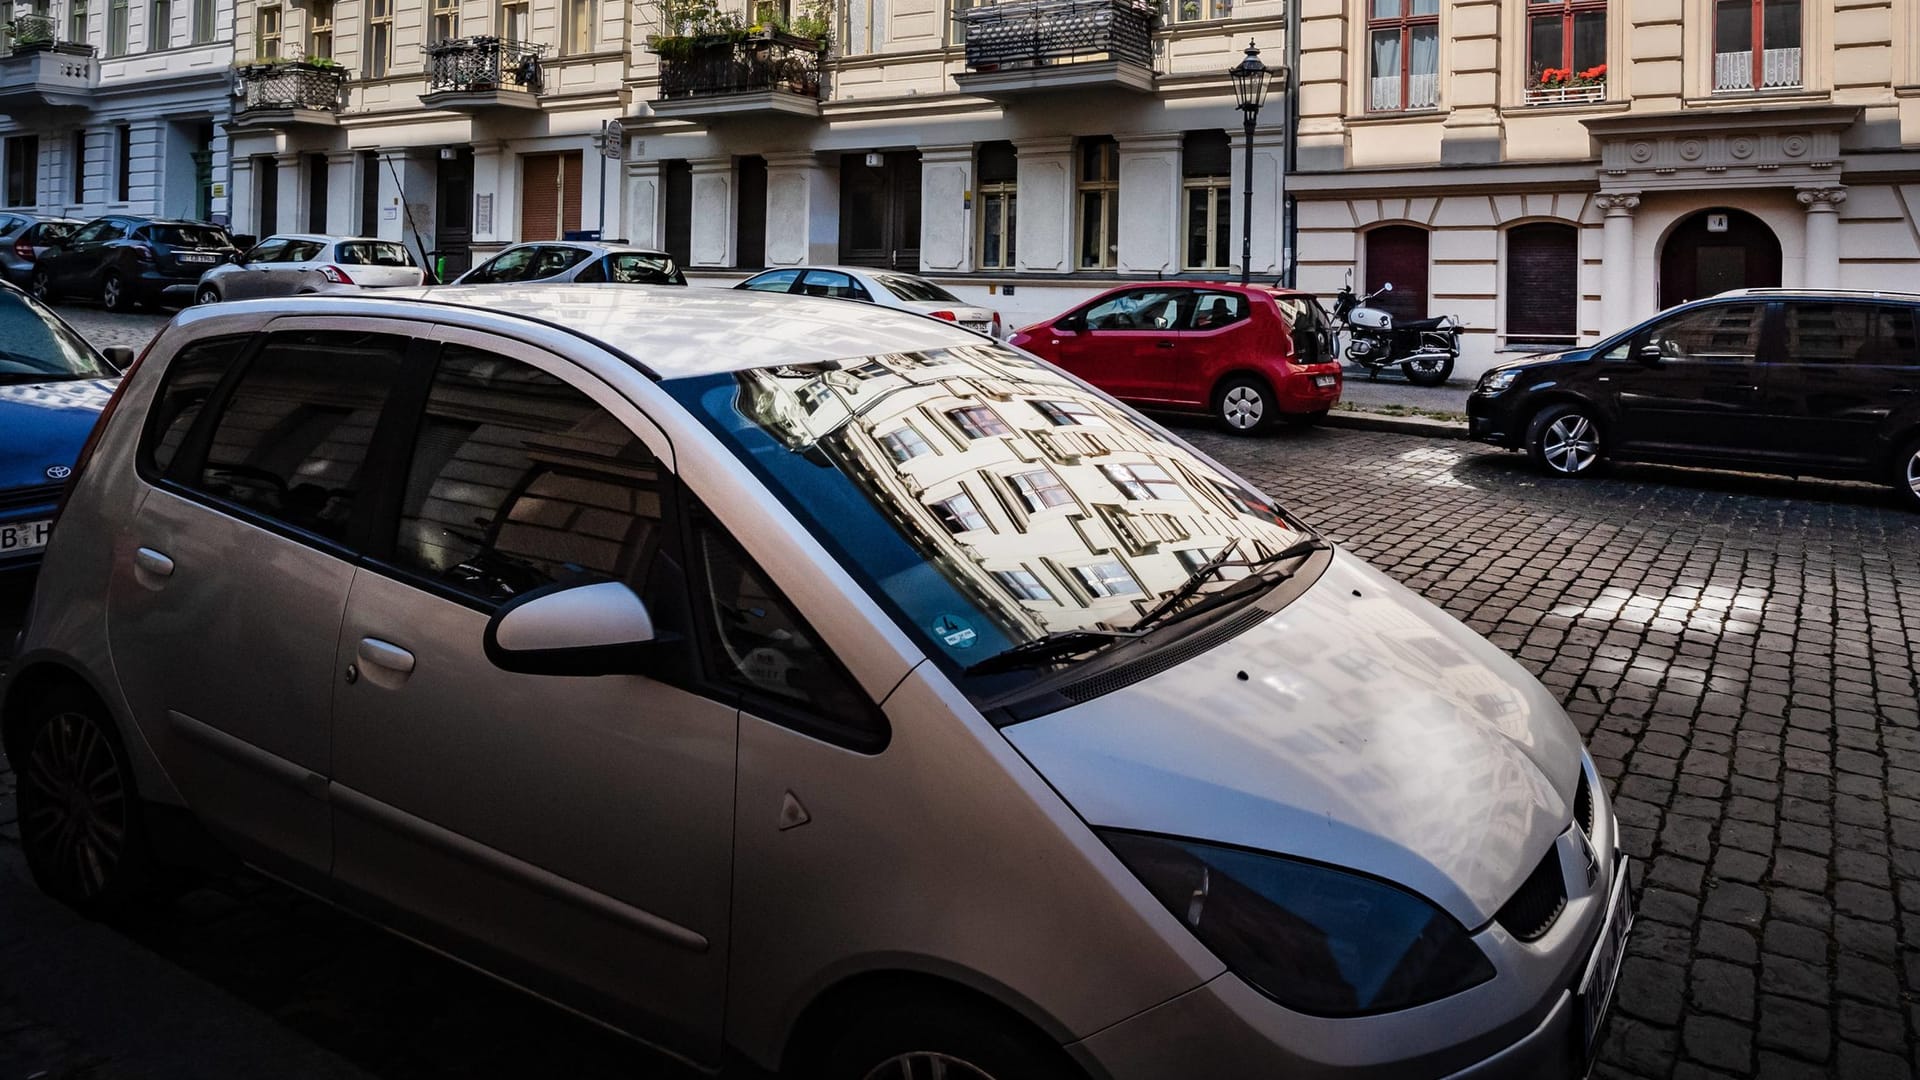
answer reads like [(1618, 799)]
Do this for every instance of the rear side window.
[(1213, 310), (187, 235), (372, 253), (554, 260), (191, 378), (916, 289), (291, 441), (1841, 333), (774, 281), (301, 251), (832, 283)]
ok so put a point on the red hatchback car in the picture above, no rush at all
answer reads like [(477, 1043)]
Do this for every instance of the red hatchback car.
[(1245, 353)]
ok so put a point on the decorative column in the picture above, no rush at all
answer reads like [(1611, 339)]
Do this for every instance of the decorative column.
[(946, 228), (1823, 235), (714, 214), (1043, 234), (343, 196), (1269, 196), (645, 203), (240, 194), (1150, 203), (803, 208), (1616, 259), (292, 193)]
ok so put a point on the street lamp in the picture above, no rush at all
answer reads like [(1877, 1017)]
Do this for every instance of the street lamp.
[(1250, 78)]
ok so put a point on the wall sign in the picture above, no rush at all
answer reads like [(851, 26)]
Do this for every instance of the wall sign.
[(483, 214), (1716, 223)]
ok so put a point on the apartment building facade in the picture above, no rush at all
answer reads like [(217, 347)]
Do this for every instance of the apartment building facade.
[(116, 106), (1553, 170)]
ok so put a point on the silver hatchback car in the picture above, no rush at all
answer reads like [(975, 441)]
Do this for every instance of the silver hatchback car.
[(801, 683), (296, 264)]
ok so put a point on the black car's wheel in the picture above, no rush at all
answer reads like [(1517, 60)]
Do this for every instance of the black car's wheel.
[(1427, 369), (1303, 419), (80, 818), (1245, 404), (41, 286), (1906, 474), (207, 295), (955, 1041), (1565, 440), (114, 295)]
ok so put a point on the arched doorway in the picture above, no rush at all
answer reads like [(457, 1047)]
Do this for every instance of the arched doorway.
[(1716, 250)]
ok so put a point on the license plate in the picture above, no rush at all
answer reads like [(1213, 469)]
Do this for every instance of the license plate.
[(190, 257), (1596, 986), (19, 537), (1323, 381)]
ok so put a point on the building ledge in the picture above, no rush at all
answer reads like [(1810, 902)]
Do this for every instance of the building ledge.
[(749, 103), (1053, 78), (276, 119), (471, 101)]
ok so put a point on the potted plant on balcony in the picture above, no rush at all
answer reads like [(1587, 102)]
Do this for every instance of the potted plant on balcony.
[(30, 33), (1566, 84)]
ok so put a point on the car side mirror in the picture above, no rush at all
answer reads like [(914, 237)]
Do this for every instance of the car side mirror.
[(596, 629), (1072, 324), (1650, 353), (120, 356)]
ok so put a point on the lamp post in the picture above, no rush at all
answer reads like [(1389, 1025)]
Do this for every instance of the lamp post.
[(1250, 78)]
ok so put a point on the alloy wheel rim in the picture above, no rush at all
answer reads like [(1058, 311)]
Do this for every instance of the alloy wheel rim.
[(1425, 365), (1913, 474), (110, 293), (1572, 444), (927, 1065), (1242, 407), (40, 288), (75, 805), (208, 296)]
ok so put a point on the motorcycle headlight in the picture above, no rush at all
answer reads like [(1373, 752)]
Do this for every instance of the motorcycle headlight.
[(1315, 939), (1495, 381)]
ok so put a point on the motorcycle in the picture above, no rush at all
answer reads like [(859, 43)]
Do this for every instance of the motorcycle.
[(1425, 349)]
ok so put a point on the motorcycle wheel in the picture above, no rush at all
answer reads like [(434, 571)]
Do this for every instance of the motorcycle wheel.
[(1427, 369)]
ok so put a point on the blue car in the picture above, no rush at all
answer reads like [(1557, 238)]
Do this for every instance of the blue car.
[(52, 388)]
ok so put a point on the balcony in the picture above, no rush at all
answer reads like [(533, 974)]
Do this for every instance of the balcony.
[(1028, 46), (768, 73), (1567, 95), (1777, 69), (39, 72), (475, 74), (285, 94)]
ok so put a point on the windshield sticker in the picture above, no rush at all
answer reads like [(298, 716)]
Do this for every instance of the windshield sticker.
[(955, 632)]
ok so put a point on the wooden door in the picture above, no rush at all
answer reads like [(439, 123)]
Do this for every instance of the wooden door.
[(880, 211), (750, 238), (678, 177), (1698, 261), (1398, 254), (549, 195), (453, 213)]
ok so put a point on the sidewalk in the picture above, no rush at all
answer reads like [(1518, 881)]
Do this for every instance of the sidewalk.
[(1391, 403)]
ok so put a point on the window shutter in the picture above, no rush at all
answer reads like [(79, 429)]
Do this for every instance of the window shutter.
[(1543, 277), (1398, 253), (540, 197)]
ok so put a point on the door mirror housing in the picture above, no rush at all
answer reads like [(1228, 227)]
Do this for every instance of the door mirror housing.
[(120, 356), (1649, 352), (1072, 324), (600, 628)]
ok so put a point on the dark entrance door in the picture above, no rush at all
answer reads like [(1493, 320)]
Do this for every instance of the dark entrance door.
[(679, 211), (1697, 262), (750, 242), (453, 215), (266, 184), (880, 210), (317, 193), (1398, 254)]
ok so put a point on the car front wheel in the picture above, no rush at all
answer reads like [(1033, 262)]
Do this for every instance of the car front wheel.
[(1906, 476), (207, 295), (1565, 440), (1245, 405), (80, 818), (956, 1042), (42, 287), (113, 293)]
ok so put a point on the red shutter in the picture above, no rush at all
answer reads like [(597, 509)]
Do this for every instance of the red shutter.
[(1398, 253), (1543, 277)]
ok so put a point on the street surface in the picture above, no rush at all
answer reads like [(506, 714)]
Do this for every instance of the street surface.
[(1739, 651)]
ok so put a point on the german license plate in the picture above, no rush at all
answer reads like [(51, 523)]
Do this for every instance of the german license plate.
[(1596, 986), (19, 537), (194, 258), (1322, 381)]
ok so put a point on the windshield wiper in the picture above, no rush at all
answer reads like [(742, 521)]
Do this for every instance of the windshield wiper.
[(1044, 650), (1190, 586), (1165, 610)]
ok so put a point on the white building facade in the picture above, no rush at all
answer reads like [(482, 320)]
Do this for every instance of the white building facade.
[(117, 107)]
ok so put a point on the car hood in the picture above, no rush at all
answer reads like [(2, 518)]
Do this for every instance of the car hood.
[(42, 426), (1535, 360), (1359, 726)]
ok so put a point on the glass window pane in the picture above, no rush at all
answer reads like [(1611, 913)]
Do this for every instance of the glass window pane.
[(1425, 7), (1544, 44), (1726, 332), (1090, 217), (1781, 24), (992, 207), (1386, 9), (1222, 226), (1589, 40), (1111, 256), (1196, 226), (777, 281), (191, 379), (1733, 26)]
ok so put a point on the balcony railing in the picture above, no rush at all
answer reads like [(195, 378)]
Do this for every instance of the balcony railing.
[(473, 64), (1033, 33), (29, 33), (1566, 95), (773, 62), (292, 85), (1779, 70)]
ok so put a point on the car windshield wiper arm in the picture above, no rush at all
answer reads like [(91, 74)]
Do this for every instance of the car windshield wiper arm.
[(1165, 611), (1042, 650), (1190, 586)]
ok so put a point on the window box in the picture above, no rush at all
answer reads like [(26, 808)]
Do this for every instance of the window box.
[(1567, 95)]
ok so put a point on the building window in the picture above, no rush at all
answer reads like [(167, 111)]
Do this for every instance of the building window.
[(379, 37), (1107, 579), (1206, 166), (1403, 51), (1023, 584), (1199, 10), (320, 30), (864, 29), (1069, 413), (123, 184), (202, 21), (1566, 51), (1040, 489), (1543, 283), (999, 170), (979, 422), (77, 15), (1756, 45), (577, 36), (446, 20), (266, 32), (1099, 203), (513, 20), (23, 170), (1142, 482), (116, 27), (77, 157), (905, 444), (159, 25), (959, 514)]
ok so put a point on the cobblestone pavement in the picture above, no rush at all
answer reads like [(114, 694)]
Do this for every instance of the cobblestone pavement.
[(1739, 651), (104, 328)]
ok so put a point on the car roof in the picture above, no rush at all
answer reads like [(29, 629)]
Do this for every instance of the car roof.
[(1816, 294), (600, 246), (843, 269), (673, 331)]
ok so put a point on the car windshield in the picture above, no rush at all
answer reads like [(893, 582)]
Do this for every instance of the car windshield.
[(35, 347), (913, 288), (637, 268), (203, 236), (985, 499), (372, 253)]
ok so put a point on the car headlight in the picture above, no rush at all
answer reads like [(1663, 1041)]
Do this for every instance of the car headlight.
[(1497, 380), (1315, 939)]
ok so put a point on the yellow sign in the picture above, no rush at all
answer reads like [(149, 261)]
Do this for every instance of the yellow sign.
[(219, 191)]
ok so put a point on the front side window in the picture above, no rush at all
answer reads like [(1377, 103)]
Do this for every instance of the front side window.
[(192, 376), (266, 251), (266, 31), (773, 281), (1756, 45), (1138, 309), (1566, 51), (999, 205), (320, 30), (446, 20), (23, 170), (1720, 333), (514, 264), (116, 27), (1403, 55), (379, 38), (1874, 335), (160, 25), (1099, 191), (291, 440)]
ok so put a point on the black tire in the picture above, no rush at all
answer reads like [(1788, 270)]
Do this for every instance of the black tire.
[(1906, 474), (1303, 419), (899, 1041), (1428, 370), (41, 287), (1245, 405), (82, 826), (207, 295), (114, 294), (1566, 440)]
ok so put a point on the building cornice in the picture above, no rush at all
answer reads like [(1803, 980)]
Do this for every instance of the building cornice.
[(1700, 121)]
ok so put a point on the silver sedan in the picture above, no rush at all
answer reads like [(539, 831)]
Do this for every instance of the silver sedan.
[(888, 288)]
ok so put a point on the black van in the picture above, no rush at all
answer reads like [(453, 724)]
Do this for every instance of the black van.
[(1805, 382)]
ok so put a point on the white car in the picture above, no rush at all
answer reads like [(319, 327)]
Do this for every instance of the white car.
[(290, 264), (888, 288), (576, 262)]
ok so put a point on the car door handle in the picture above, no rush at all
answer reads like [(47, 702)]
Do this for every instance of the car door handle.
[(387, 655), (153, 562), (1163, 344)]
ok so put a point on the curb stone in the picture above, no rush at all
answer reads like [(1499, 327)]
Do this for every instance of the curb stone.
[(1404, 425)]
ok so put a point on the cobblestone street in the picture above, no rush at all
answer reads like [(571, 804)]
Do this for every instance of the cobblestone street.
[(1740, 652)]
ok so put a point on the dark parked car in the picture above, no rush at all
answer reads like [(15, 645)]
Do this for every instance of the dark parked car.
[(122, 261), (1804, 382), (26, 237)]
